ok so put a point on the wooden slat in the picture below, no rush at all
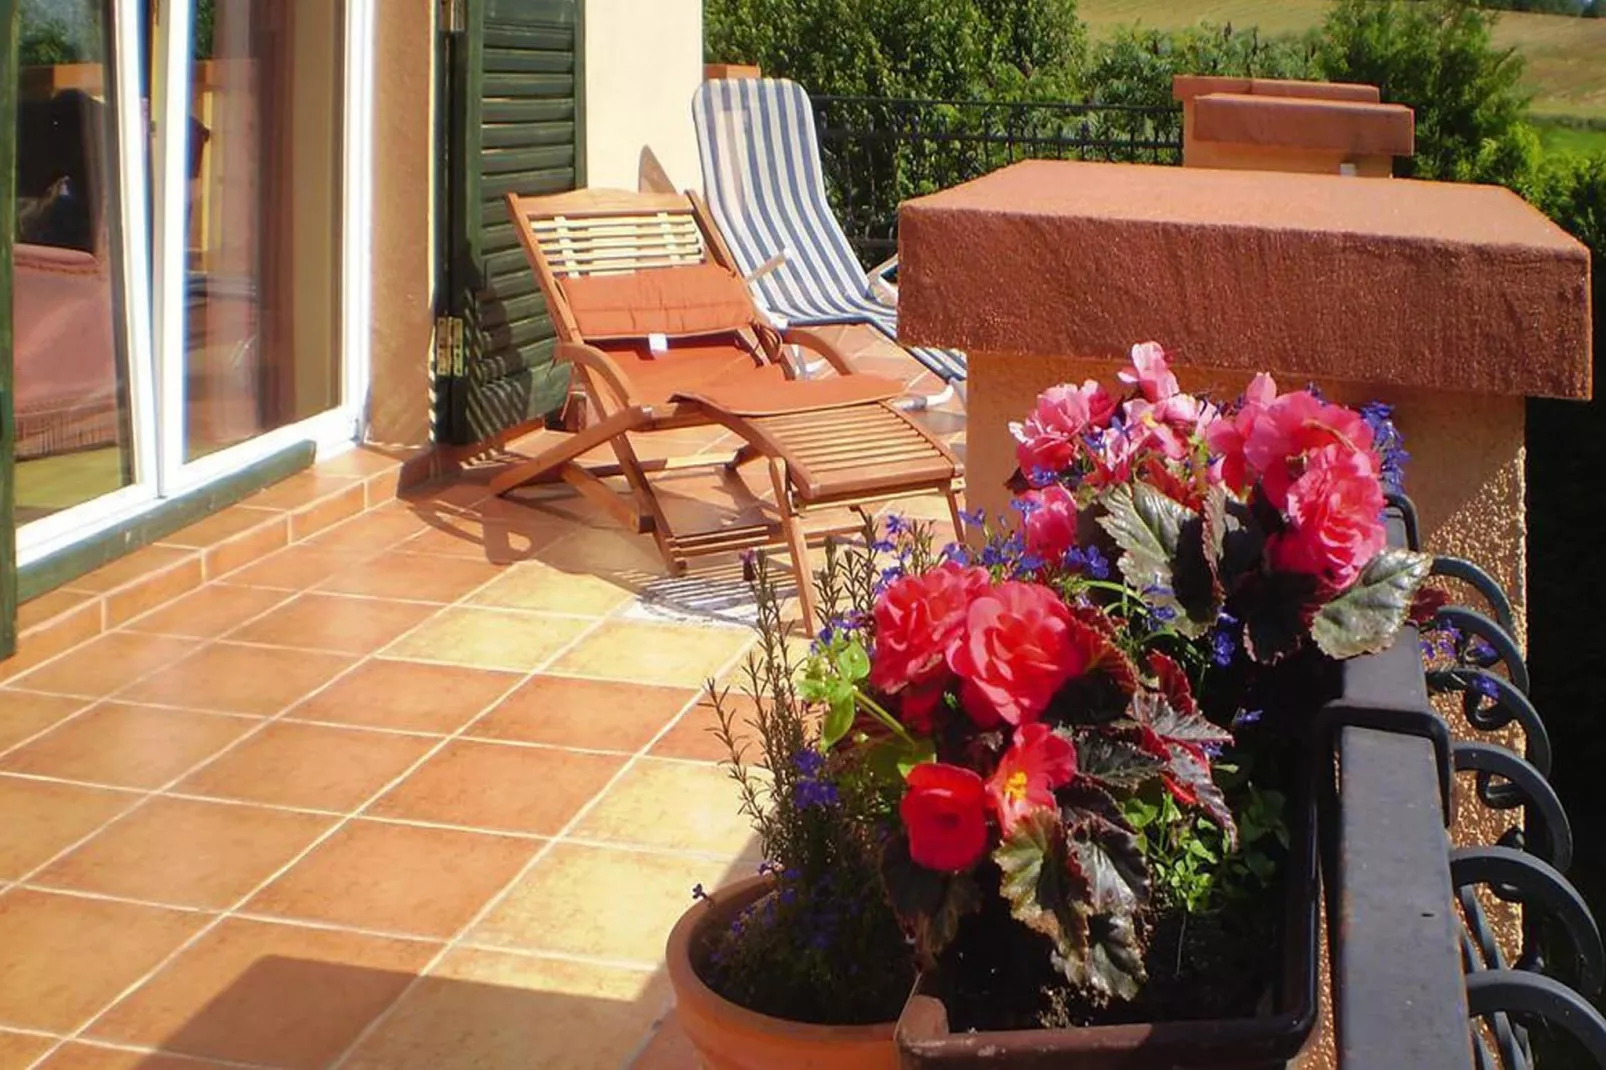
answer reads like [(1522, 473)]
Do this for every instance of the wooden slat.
[(546, 158), (504, 61), (527, 86), (528, 135), (8, 205), (558, 109)]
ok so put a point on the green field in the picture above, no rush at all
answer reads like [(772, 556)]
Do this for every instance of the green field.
[(1566, 57)]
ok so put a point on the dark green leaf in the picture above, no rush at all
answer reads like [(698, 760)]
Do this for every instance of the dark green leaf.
[(1242, 541), (1277, 615), (1108, 855), (1162, 544), (1042, 891), (1192, 776), (1153, 712), (1366, 618), (1114, 757), (1113, 967), (929, 903)]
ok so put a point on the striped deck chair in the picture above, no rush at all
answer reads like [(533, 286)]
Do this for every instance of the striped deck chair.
[(765, 189)]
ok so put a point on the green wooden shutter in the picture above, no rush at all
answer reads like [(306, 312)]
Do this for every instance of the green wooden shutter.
[(8, 209), (515, 118)]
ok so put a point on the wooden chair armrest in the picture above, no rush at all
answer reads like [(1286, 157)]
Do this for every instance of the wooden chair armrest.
[(614, 377), (808, 339)]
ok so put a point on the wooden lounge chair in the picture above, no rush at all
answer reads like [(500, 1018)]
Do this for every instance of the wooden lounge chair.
[(663, 333)]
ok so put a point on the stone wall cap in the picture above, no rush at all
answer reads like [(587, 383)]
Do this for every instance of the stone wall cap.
[(1421, 283), (1185, 87), (1353, 127)]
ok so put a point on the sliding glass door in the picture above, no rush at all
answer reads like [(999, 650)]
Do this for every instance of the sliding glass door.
[(182, 265)]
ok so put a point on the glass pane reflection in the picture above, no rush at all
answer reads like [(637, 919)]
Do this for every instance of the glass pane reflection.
[(72, 399), (263, 292)]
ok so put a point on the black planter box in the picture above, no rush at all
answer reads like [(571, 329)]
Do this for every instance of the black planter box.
[(924, 1039)]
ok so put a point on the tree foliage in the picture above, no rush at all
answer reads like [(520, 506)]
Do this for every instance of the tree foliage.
[(1438, 58), (932, 49)]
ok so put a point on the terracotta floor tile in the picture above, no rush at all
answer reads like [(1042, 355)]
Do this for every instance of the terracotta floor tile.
[(67, 957), (500, 788), (565, 711), (495, 1011), (154, 589), (136, 565), (276, 995), (489, 638), (23, 714), (209, 612), (296, 568), (407, 695), (532, 585), (58, 635), (42, 819), (489, 540), (127, 746), (219, 527), (608, 552), (674, 805), (49, 605), (396, 878), (105, 664), (681, 655), (313, 766), (417, 577), (247, 548), (299, 490), (669, 1049), (331, 509), (334, 623), (90, 1057), (186, 853), (692, 737), (379, 529), (606, 903), (19, 1050), (231, 678)]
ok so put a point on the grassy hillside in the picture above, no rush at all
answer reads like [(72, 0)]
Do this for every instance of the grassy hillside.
[(1566, 57)]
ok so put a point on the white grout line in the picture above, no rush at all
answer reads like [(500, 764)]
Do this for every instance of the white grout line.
[(334, 827), (496, 901)]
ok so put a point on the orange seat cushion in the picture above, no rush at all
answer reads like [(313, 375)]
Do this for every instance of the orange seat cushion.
[(687, 368), (677, 302)]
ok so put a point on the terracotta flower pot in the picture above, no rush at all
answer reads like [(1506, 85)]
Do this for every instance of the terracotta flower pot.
[(729, 1037)]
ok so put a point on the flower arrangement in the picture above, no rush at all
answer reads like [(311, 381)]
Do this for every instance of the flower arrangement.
[(1045, 714), (1041, 760)]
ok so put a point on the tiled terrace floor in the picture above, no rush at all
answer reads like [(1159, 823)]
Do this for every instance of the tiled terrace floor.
[(424, 789)]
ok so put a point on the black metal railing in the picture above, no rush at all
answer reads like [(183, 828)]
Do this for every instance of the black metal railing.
[(1415, 952), (877, 152)]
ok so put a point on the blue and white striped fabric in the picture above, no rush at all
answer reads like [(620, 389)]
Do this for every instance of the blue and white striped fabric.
[(762, 179)]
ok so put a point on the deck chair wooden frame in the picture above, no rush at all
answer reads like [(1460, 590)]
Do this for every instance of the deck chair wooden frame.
[(856, 455)]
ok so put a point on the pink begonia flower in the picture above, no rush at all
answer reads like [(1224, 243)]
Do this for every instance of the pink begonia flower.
[(1336, 512), (1291, 427), (1050, 522), (1049, 438), (1149, 372), (1226, 437)]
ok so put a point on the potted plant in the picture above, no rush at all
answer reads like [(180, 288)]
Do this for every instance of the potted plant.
[(1101, 841), (804, 964)]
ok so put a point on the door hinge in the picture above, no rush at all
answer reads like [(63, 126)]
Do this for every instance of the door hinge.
[(453, 18), (450, 362)]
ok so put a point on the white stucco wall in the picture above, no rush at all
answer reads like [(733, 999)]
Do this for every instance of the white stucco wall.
[(643, 61)]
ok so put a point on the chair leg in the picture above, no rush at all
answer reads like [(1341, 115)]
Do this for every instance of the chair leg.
[(954, 514), (796, 544), (566, 451)]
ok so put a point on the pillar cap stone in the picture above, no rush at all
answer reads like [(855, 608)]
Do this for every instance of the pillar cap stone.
[(1347, 126), (1441, 285), (1185, 87)]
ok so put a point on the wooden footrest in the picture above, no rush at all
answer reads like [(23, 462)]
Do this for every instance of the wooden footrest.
[(856, 450)]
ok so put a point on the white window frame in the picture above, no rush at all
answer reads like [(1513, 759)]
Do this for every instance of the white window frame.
[(154, 319)]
